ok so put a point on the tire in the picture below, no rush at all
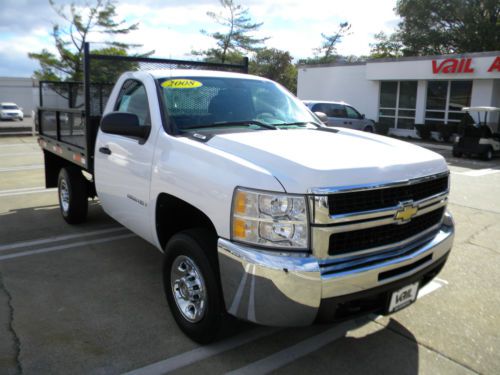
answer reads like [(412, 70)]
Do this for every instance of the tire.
[(192, 284), (456, 153), (487, 154), (73, 195), (368, 129)]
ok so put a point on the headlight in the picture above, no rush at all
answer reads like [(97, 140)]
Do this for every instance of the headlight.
[(270, 219)]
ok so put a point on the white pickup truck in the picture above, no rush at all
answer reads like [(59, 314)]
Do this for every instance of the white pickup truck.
[(261, 211)]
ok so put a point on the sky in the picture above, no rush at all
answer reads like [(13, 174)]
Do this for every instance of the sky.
[(172, 27)]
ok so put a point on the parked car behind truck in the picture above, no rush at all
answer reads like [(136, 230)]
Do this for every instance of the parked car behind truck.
[(341, 114), (262, 212)]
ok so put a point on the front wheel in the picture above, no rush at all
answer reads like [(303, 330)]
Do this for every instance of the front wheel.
[(192, 286), (73, 195)]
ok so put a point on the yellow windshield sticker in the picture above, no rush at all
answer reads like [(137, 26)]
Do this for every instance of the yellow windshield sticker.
[(181, 83)]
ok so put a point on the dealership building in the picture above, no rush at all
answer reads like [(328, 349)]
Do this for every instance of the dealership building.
[(402, 92)]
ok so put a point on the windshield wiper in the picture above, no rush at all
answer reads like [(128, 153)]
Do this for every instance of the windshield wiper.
[(234, 123), (299, 123)]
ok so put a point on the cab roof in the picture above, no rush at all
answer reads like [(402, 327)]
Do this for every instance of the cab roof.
[(171, 73)]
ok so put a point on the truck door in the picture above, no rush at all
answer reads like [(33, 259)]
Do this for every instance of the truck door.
[(123, 164)]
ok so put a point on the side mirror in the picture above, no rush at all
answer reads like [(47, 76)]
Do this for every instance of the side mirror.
[(363, 116), (322, 116), (124, 123)]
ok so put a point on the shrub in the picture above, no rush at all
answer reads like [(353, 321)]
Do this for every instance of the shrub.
[(382, 129), (424, 131), (446, 131)]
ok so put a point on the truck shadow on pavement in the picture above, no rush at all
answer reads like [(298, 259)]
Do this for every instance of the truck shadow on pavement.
[(390, 350), (101, 307)]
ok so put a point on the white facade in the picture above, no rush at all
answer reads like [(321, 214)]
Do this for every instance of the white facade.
[(360, 85), (22, 91)]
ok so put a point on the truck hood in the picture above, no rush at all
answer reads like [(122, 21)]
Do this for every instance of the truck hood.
[(302, 159)]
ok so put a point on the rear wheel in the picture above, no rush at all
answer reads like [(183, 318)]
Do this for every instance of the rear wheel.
[(192, 286), (369, 129), (73, 195), (488, 154)]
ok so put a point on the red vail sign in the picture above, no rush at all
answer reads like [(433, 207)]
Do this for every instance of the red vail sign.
[(495, 65), (460, 65), (452, 66)]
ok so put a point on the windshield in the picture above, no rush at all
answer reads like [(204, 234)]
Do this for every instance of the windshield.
[(202, 102), (9, 106)]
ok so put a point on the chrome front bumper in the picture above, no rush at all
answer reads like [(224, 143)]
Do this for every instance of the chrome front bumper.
[(286, 289)]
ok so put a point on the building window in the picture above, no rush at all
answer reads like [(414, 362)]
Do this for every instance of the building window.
[(398, 100), (445, 100)]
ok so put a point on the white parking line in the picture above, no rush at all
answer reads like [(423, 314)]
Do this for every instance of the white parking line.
[(431, 287), (17, 245), (273, 361), (290, 354), (19, 144), (201, 353), (305, 347), (478, 172), (21, 153), (14, 192), (22, 168), (64, 247)]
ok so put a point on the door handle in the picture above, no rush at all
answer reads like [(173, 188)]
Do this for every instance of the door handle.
[(105, 150)]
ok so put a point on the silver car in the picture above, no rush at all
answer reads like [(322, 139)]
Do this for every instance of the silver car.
[(10, 111), (341, 114)]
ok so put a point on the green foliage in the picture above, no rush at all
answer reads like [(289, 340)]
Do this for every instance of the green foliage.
[(424, 130), (277, 65), (333, 59), (328, 46), (237, 38), (432, 27), (382, 128), (386, 46), (327, 52), (104, 71), (67, 63)]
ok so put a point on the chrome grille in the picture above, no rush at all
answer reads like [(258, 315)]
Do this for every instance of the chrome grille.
[(362, 239), (342, 203), (385, 217)]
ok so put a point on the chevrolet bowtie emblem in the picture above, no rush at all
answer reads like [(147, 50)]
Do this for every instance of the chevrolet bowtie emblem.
[(406, 212)]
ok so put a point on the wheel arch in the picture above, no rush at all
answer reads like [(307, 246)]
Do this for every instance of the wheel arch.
[(173, 215)]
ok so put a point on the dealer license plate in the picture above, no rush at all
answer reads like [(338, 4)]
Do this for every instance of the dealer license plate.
[(403, 297)]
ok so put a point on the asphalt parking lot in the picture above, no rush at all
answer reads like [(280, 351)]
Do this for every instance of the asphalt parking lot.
[(88, 299)]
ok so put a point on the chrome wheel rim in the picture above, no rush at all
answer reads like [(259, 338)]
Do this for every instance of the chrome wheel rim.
[(64, 195), (188, 288)]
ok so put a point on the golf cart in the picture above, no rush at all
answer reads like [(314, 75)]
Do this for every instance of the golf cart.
[(477, 139)]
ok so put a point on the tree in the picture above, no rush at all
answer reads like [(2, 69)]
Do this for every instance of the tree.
[(327, 52), (386, 46), (237, 38), (67, 63), (329, 44), (277, 65), (433, 27)]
